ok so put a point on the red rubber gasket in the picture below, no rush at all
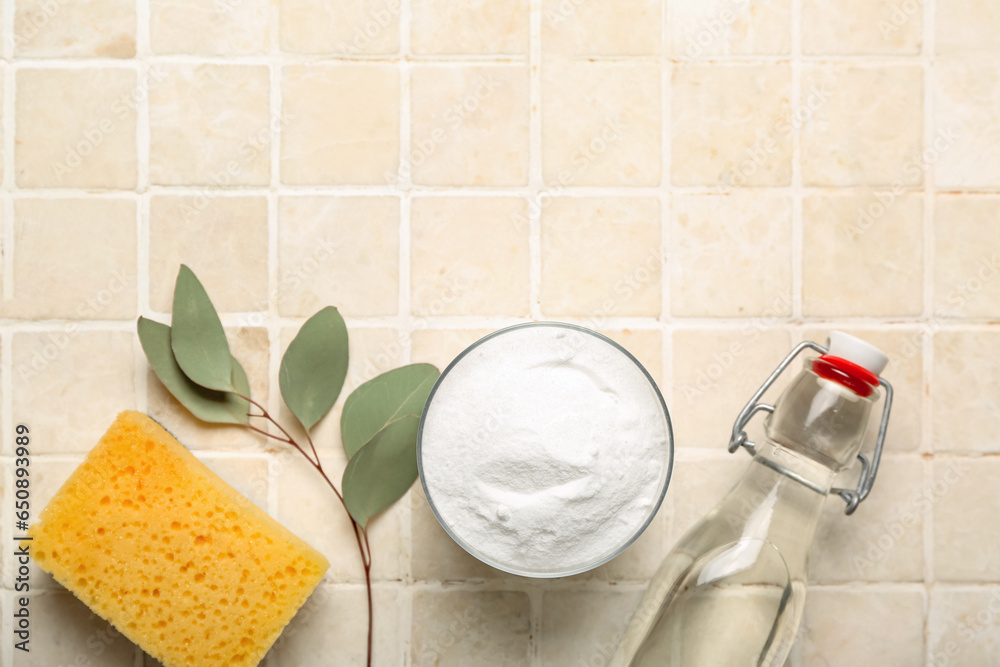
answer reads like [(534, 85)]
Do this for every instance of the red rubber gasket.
[(858, 379)]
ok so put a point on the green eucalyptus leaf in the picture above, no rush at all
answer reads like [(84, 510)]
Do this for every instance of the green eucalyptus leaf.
[(314, 367), (206, 404), (197, 338), (383, 399), (383, 470)]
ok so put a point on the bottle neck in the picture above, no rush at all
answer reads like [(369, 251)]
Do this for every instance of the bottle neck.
[(779, 499), (821, 418)]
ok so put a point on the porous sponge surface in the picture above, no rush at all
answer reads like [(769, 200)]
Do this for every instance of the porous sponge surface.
[(181, 563)]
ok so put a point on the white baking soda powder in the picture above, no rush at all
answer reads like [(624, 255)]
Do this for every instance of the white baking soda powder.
[(545, 449)]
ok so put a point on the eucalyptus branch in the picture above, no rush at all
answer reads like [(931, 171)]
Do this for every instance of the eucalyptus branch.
[(378, 425)]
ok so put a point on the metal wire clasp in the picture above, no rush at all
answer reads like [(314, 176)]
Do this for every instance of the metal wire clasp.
[(869, 469)]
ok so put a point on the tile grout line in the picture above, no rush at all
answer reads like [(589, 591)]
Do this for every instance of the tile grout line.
[(142, 148), (458, 322), (666, 262), (535, 175), (9, 177), (402, 188), (797, 224), (143, 205), (796, 185), (273, 324), (578, 191), (927, 424), (283, 59), (667, 195), (536, 184)]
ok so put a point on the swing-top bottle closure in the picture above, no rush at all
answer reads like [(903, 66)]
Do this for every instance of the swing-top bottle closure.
[(851, 363)]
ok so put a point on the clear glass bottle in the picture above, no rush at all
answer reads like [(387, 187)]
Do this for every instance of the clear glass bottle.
[(731, 592)]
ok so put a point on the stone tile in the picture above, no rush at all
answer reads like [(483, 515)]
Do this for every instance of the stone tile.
[(251, 346), (75, 128), (356, 27), (339, 251), (308, 507), (441, 346), (204, 232), (333, 622), (964, 395), (64, 267), (963, 625), (883, 540), (966, 264), (71, 384), (704, 29), (731, 125), (459, 627), (966, 538), (732, 255), (859, 27), (849, 628), (584, 627), (438, 27), (602, 27), (854, 242), (715, 372), (867, 127), (966, 145), (210, 27), (220, 135), (966, 26), (102, 29), (469, 125), (906, 375), (601, 123), (458, 268), (65, 631), (601, 258), (247, 474), (697, 486), (644, 345), (340, 124)]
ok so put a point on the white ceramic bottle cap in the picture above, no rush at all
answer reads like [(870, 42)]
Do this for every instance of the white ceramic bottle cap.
[(857, 351)]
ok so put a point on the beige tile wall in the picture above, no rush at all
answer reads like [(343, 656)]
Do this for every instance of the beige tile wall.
[(707, 181)]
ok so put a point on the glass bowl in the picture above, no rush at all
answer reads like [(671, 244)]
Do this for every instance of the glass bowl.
[(553, 569)]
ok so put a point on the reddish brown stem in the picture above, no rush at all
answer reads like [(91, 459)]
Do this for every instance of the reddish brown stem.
[(364, 548)]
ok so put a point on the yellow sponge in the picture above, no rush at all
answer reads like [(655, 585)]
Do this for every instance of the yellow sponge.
[(183, 565)]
